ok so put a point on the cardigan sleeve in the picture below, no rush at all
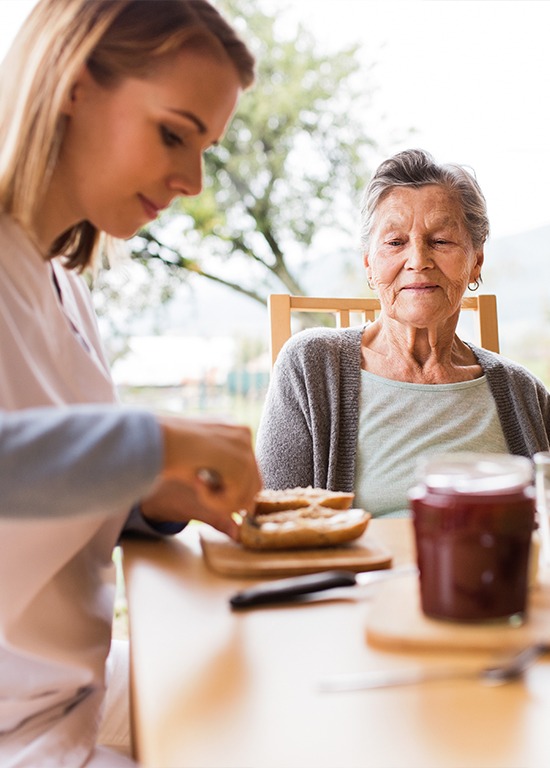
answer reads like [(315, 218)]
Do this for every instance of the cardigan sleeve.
[(522, 400), (284, 442), (76, 460), (308, 431)]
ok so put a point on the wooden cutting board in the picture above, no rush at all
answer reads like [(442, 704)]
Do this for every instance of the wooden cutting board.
[(226, 557), (396, 622)]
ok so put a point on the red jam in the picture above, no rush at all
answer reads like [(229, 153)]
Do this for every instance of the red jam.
[(473, 535)]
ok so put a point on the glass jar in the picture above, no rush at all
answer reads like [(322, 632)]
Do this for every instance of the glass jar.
[(473, 517)]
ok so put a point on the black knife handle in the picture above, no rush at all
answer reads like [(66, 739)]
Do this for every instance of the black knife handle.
[(285, 589)]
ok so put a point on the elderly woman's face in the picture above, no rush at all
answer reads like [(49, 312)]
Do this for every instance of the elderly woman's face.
[(421, 256)]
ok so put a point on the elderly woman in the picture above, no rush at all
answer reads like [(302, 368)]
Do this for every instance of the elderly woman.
[(354, 409)]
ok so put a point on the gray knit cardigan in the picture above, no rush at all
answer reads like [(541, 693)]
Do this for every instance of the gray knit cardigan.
[(308, 430)]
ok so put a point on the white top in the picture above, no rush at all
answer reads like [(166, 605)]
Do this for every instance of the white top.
[(400, 422), (56, 572)]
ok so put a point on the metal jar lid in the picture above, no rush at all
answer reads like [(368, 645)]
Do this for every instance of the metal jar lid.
[(476, 472)]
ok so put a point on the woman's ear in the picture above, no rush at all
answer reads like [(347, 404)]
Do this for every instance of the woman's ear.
[(367, 270), (366, 264), (75, 91), (479, 259)]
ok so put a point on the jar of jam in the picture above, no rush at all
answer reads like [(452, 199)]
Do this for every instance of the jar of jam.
[(473, 517)]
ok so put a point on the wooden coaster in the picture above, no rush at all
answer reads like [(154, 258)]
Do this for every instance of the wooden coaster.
[(396, 621)]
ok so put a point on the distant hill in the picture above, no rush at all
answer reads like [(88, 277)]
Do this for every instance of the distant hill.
[(517, 270), (202, 308), (206, 308)]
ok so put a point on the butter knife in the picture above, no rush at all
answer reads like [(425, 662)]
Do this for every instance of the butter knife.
[(501, 672), (285, 590)]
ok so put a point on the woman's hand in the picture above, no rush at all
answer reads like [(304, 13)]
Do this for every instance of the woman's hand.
[(186, 491)]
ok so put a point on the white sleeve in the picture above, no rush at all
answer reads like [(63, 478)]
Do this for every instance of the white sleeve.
[(76, 459)]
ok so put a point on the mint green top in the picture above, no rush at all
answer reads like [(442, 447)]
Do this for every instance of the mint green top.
[(400, 422), (308, 431)]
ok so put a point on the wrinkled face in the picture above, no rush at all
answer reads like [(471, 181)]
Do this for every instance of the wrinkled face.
[(129, 151), (421, 256)]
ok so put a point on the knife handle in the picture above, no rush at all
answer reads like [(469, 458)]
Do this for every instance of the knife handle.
[(285, 589)]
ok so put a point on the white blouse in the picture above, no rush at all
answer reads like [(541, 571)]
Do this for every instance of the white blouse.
[(56, 572)]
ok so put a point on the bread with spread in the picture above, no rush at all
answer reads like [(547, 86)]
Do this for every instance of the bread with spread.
[(302, 518)]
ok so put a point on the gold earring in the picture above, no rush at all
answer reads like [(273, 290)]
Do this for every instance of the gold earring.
[(474, 284)]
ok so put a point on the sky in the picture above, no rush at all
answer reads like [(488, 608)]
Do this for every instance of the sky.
[(472, 77)]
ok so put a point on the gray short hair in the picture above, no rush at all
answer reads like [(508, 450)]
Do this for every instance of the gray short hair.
[(417, 168)]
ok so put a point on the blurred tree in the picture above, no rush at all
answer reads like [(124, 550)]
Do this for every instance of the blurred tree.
[(131, 298), (289, 169)]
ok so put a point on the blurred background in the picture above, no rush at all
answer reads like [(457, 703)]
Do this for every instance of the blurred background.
[(341, 86)]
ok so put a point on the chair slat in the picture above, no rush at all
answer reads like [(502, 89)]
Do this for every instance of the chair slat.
[(281, 306)]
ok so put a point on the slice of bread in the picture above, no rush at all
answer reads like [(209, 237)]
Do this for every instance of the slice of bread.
[(268, 501), (302, 518)]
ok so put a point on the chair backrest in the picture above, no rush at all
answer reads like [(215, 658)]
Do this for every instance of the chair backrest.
[(281, 305)]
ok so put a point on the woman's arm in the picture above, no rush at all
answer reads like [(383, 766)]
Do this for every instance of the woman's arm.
[(285, 438), (308, 431), (522, 400), (76, 460), (92, 458)]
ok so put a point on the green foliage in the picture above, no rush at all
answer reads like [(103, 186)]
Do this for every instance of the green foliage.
[(126, 291), (290, 167)]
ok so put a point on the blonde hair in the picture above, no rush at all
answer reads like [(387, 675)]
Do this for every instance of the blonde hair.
[(115, 39)]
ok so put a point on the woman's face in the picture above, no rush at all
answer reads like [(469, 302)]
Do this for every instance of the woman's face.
[(129, 151), (421, 256)]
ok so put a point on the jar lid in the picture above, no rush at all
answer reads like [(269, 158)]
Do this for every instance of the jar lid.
[(476, 472)]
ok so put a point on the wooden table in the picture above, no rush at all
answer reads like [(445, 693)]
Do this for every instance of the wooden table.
[(215, 688)]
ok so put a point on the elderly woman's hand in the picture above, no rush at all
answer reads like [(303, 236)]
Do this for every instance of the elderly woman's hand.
[(185, 491)]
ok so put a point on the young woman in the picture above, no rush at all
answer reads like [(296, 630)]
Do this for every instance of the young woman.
[(106, 107)]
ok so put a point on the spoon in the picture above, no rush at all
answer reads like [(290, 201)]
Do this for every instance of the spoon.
[(494, 674)]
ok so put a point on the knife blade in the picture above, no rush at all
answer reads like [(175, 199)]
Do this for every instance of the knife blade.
[(284, 590), (502, 670)]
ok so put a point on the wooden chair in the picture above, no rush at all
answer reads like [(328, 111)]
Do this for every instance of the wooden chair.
[(281, 305)]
